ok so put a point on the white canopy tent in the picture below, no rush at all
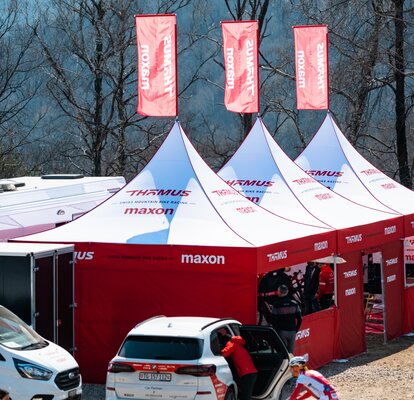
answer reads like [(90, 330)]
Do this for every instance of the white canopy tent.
[(333, 161), (175, 240), (263, 172), (178, 199)]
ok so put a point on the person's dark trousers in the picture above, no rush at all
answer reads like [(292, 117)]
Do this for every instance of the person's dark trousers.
[(246, 386), (311, 305), (289, 338), (326, 301)]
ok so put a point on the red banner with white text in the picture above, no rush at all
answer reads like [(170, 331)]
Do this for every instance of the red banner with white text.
[(312, 74), (157, 65), (240, 46)]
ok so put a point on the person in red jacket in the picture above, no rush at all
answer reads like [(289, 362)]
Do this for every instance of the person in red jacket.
[(326, 286), (236, 353), (310, 383)]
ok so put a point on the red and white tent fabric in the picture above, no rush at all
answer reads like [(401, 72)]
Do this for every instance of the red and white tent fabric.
[(332, 160), (177, 199), (263, 172), (176, 240)]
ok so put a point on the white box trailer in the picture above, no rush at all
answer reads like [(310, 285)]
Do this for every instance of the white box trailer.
[(37, 284), (32, 204)]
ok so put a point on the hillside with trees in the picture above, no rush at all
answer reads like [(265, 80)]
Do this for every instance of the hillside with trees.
[(68, 82)]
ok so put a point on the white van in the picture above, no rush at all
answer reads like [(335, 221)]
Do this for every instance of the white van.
[(32, 367)]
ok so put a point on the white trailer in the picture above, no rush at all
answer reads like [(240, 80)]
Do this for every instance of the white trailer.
[(33, 204)]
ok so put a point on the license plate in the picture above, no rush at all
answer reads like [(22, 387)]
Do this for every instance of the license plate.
[(150, 376)]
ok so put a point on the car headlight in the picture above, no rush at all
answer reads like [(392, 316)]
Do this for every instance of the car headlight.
[(32, 371)]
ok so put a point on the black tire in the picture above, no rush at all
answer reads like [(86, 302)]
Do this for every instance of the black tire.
[(287, 389), (230, 395)]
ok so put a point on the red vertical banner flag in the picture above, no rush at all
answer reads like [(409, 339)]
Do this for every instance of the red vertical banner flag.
[(241, 61), (157, 65), (312, 74)]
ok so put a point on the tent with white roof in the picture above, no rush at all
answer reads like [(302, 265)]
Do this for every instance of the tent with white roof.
[(348, 173), (175, 240), (263, 172)]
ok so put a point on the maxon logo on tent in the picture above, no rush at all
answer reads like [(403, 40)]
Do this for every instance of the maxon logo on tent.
[(321, 245), (202, 259)]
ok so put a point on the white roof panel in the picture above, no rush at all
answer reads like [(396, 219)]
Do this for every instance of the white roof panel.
[(333, 161), (178, 199), (261, 170)]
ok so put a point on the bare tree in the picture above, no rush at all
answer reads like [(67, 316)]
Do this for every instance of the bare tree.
[(85, 45), (17, 88), (400, 99)]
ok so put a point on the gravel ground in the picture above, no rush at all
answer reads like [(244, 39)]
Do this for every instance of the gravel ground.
[(384, 372)]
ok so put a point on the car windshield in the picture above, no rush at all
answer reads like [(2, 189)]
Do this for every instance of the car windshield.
[(15, 334), (162, 348)]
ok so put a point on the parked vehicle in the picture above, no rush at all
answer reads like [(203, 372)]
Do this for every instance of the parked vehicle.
[(179, 358), (32, 204), (32, 367)]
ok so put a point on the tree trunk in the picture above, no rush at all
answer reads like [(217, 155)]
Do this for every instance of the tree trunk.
[(400, 109), (97, 145)]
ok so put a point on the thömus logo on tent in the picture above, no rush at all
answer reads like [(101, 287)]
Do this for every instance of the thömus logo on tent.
[(303, 333), (84, 255), (350, 274), (279, 255), (202, 259), (354, 238), (391, 261), (158, 192), (245, 182), (334, 174)]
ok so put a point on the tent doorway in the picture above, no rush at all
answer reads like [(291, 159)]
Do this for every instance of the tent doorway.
[(374, 293)]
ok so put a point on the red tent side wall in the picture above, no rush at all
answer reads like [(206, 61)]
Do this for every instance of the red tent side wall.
[(350, 297), (393, 261), (316, 337), (370, 235), (291, 252), (120, 285)]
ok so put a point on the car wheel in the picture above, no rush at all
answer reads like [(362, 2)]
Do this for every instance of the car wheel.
[(287, 389), (230, 395)]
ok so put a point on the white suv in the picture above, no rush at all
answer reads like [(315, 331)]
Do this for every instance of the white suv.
[(179, 358)]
